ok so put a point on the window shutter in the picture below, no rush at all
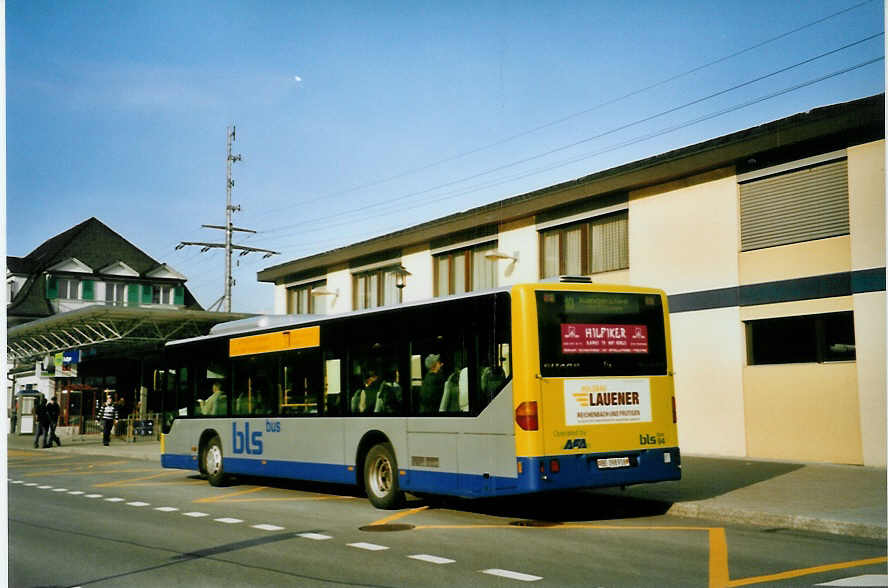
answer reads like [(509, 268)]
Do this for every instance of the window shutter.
[(801, 205), (88, 290), (132, 294), (52, 287), (179, 295), (146, 293)]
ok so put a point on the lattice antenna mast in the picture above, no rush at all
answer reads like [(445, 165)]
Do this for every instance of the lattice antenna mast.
[(229, 228)]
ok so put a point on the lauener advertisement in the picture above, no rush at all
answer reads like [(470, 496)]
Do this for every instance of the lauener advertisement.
[(602, 402)]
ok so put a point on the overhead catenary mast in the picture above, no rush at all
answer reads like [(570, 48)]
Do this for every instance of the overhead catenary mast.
[(229, 228)]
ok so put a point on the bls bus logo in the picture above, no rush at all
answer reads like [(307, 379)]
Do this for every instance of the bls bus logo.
[(245, 441), (645, 439), (575, 444)]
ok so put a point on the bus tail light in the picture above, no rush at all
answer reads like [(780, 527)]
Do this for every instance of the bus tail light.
[(674, 411), (526, 416), (554, 466)]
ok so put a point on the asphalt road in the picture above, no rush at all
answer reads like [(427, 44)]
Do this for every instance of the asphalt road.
[(102, 521)]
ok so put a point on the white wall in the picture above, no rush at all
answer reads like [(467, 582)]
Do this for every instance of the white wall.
[(523, 239), (420, 282)]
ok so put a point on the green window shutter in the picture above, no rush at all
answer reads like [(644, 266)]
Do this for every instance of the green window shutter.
[(179, 295), (132, 294), (52, 287), (146, 293), (88, 291)]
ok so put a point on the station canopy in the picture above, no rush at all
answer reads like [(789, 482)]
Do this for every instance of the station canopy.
[(109, 329)]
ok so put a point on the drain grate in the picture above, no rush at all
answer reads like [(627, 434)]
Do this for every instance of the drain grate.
[(534, 524), (386, 528)]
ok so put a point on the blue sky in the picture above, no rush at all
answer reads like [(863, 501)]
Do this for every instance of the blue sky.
[(356, 119)]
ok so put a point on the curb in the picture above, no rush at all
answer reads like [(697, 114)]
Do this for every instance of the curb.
[(774, 520)]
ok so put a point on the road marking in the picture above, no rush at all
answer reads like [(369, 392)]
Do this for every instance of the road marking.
[(399, 515), (511, 575), (314, 536), (18, 482), (195, 515), (228, 520), (807, 571), (44, 487), (115, 499), (59, 489), (266, 527), (137, 503), (718, 558), (75, 492), (865, 580), (92, 496), (368, 546), (166, 508), (432, 558), (130, 482), (31, 484), (224, 496)]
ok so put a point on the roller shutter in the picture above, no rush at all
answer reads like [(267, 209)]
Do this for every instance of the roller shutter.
[(800, 205)]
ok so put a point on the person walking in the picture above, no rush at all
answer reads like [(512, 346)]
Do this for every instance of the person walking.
[(53, 410), (42, 417), (13, 418), (108, 416)]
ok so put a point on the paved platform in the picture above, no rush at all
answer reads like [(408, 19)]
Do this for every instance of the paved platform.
[(837, 499)]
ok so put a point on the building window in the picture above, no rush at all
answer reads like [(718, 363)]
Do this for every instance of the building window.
[(589, 247), (301, 301), (465, 270), (162, 295), (115, 294), (376, 288), (68, 288), (817, 338), (794, 206)]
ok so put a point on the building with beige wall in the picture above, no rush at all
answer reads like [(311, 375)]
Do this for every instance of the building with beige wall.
[(770, 243)]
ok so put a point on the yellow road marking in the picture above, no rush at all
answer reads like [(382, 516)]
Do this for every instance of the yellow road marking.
[(807, 571), (129, 482), (224, 496), (398, 515), (718, 558), (294, 499)]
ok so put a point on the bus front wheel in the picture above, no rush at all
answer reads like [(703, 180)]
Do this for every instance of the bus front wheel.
[(381, 477), (211, 462)]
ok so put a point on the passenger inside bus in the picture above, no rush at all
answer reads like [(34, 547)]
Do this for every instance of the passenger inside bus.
[(216, 402), (388, 401), (432, 384), (364, 401)]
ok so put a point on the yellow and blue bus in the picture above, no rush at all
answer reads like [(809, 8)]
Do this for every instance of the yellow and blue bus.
[(529, 388)]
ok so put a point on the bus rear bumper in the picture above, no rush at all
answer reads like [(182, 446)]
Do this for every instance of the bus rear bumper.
[(597, 470)]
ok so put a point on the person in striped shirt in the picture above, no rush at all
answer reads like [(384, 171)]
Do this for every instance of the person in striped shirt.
[(108, 416)]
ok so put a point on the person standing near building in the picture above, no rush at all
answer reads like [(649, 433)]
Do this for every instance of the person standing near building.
[(13, 418), (108, 416), (52, 411), (42, 417)]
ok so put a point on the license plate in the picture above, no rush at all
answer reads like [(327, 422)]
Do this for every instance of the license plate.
[(613, 462)]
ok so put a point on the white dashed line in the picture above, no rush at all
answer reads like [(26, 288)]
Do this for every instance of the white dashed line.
[(117, 499), (166, 508), (44, 487), (92, 495), (228, 520), (511, 575), (265, 527), (195, 515), (138, 503), (368, 546), (59, 489), (431, 558), (315, 536), (75, 492), (18, 482), (31, 484)]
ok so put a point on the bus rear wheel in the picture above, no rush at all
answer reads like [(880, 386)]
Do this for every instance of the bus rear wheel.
[(381, 477), (211, 462)]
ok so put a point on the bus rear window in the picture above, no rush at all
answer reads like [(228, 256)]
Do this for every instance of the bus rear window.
[(601, 334)]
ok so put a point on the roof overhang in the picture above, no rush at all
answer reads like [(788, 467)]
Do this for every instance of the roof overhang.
[(108, 327), (857, 121)]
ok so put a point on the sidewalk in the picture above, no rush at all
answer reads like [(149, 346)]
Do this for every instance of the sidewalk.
[(837, 499)]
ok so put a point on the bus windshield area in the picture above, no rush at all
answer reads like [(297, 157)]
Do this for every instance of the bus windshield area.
[(586, 334)]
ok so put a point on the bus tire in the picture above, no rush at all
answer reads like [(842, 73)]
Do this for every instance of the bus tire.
[(381, 477), (211, 462)]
